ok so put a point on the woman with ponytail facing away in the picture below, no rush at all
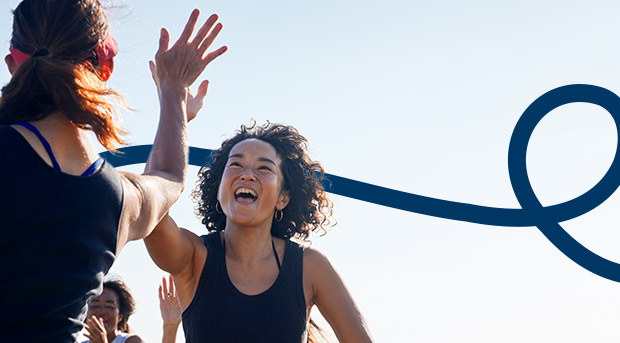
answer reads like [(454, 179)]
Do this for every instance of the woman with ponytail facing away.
[(65, 213)]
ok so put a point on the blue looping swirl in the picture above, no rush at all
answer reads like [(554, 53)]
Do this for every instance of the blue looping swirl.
[(532, 213), (545, 222)]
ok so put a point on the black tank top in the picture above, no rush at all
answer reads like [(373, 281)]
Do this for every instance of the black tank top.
[(58, 236), (219, 312)]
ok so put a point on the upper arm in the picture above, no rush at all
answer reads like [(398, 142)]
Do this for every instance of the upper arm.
[(179, 252), (333, 299), (146, 200), (170, 247)]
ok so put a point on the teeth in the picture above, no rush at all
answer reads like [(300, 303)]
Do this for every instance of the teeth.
[(245, 190)]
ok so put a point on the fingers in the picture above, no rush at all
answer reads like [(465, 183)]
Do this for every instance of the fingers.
[(206, 27), (215, 54), (95, 328), (89, 328), (160, 294), (184, 61), (96, 324), (189, 27), (164, 40), (207, 42), (201, 94), (171, 283), (153, 69), (164, 287)]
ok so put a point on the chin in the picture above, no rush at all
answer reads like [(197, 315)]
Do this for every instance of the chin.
[(245, 220)]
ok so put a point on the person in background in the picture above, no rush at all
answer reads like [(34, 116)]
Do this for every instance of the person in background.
[(66, 214), (108, 314), (170, 309)]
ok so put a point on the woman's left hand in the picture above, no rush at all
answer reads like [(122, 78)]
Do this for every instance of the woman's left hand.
[(96, 330)]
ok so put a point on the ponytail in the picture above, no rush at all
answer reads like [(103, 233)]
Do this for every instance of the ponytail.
[(60, 76), (43, 85), (316, 334)]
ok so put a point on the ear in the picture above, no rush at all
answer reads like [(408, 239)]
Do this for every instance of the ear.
[(106, 69), (283, 200), (10, 63)]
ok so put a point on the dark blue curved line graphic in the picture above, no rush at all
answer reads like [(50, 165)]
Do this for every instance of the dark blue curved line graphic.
[(532, 213)]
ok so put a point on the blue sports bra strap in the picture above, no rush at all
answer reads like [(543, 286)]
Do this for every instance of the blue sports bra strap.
[(93, 167), (46, 145)]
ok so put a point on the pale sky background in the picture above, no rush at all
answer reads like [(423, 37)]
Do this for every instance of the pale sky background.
[(421, 97)]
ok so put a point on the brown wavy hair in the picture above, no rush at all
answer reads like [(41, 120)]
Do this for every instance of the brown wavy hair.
[(63, 78), (126, 302), (309, 208)]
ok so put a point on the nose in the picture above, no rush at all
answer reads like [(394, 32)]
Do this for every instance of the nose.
[(248, 175)]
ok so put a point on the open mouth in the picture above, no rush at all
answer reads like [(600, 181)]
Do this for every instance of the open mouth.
[(245, 194)]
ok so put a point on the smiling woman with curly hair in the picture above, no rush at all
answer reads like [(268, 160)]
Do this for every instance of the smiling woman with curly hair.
[(248, 280), (309, 207)]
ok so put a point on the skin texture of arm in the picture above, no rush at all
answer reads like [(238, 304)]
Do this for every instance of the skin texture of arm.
[(148, 197), (333, 299), (179, 252)]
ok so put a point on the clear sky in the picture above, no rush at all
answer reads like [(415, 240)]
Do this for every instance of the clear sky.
[(422, 97)]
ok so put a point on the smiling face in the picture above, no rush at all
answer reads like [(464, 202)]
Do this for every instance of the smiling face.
[(251, 186), (105, 306)]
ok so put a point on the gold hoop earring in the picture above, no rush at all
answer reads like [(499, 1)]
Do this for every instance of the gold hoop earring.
[(218, 210), (278, 215)]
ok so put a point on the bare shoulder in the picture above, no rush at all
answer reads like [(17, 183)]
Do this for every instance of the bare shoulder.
[(134, 339), (193, 237), (315, 258), (316, 266)]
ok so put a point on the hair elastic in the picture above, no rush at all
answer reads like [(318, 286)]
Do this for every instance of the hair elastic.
[(42, 53), (105, 51)]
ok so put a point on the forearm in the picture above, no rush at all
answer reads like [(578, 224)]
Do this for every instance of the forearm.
[(169, 153), (170, 333)]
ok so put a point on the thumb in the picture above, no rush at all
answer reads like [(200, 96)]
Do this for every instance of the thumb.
[(202, 90)]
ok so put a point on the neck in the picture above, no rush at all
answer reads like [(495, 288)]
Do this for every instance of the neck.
[(247, 244), (56, 121)]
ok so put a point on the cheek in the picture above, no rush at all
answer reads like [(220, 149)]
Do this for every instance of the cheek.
[(224, 186), (273, 184)]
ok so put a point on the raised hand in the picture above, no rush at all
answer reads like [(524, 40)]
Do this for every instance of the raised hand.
[(96, 330), (169, 304), (184, 62), (194, 102)]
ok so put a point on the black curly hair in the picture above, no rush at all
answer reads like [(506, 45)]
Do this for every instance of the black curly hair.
[(309, 208)]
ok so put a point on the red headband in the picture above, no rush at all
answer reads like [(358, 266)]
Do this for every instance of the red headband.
[(105, 50)]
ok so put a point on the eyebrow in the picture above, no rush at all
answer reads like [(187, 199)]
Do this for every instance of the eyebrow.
[(102, 301), (262, 159)]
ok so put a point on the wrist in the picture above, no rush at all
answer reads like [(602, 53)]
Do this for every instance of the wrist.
[(171, 88)]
